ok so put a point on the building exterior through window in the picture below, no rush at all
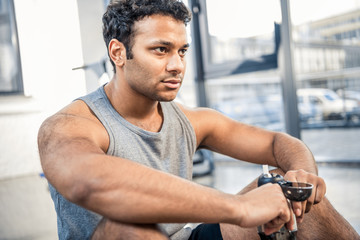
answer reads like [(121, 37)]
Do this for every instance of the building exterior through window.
[(10, 69)]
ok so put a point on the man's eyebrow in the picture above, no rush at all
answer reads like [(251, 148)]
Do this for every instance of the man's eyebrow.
[(186, 45), (170, 44)]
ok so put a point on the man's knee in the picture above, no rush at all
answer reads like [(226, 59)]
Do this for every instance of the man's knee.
[(111, 230)]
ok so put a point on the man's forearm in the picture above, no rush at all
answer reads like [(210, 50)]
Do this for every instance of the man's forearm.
[(125, 191), (290, 154), (138, 194)]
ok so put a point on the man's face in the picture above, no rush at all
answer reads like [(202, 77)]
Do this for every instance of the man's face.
[(158, 64)]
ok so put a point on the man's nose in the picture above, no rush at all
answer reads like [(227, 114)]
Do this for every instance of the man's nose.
[(176, 64)]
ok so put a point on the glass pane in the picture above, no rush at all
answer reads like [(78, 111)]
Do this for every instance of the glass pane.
[(254, 99), (327, 64), (9, 68), (240, 29)]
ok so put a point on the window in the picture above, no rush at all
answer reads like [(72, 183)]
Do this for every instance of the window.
[(10, 70), (326, 31), (239, 36), (239, 43)]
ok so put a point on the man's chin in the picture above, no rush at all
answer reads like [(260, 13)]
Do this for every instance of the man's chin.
[(168, 99)]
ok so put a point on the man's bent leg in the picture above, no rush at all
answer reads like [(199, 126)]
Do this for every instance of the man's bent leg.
[(322, 222), (111, 230)]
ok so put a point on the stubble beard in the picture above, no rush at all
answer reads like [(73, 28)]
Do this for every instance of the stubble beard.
[(162, 98)]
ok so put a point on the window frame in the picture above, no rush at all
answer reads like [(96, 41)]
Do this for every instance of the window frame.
[(19, 90)]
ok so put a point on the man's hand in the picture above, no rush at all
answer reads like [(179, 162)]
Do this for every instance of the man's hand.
[(317, 195), (266, 205)]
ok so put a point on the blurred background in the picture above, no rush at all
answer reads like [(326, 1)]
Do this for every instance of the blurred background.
[(284, 66)]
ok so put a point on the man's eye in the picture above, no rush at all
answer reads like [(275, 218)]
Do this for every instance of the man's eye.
[(161, 49), (183, 52)]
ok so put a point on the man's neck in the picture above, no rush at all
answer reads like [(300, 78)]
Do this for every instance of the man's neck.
[(135, 108)]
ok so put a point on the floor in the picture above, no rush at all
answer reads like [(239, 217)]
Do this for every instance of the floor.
[(27, 212)]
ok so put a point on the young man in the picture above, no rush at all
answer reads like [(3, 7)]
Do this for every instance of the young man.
[(119, 160)]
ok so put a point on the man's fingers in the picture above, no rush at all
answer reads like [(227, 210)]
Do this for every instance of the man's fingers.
[(308, 207), (316, 196), (300, 212), (309, 202), (269, 231), (297, 208), (273, 226), (320, 192)]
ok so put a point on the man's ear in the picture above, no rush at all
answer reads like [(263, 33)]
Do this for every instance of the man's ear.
[(117, 52)]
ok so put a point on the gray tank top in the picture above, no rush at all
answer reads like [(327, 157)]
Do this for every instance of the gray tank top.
[(169, 150)]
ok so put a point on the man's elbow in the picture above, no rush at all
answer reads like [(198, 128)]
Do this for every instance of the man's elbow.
[(77, 192)]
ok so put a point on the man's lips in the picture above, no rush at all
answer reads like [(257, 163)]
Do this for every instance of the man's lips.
[(172, 83)]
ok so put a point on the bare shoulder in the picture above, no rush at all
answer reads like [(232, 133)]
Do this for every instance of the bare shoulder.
[(196, 114), (74, 121), (76, 114), (207, 118)]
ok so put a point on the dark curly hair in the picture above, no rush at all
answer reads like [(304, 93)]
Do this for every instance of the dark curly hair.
[(121, 15)]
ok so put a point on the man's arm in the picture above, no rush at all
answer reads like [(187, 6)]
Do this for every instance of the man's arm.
[(229, 137), (72, 151), (248, 143)]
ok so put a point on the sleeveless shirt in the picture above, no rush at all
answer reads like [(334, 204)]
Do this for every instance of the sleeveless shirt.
[(169, 150)]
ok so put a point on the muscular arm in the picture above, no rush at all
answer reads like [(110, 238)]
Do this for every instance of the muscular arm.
[(72, 150), (75, 163), (224, 135), (249, 143)]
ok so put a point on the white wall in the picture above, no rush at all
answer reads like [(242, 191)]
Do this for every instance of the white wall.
[(50, 46)]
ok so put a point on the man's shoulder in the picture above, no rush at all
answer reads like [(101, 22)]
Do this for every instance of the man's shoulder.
[(75, 113), (196, 112), (200, 116)]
